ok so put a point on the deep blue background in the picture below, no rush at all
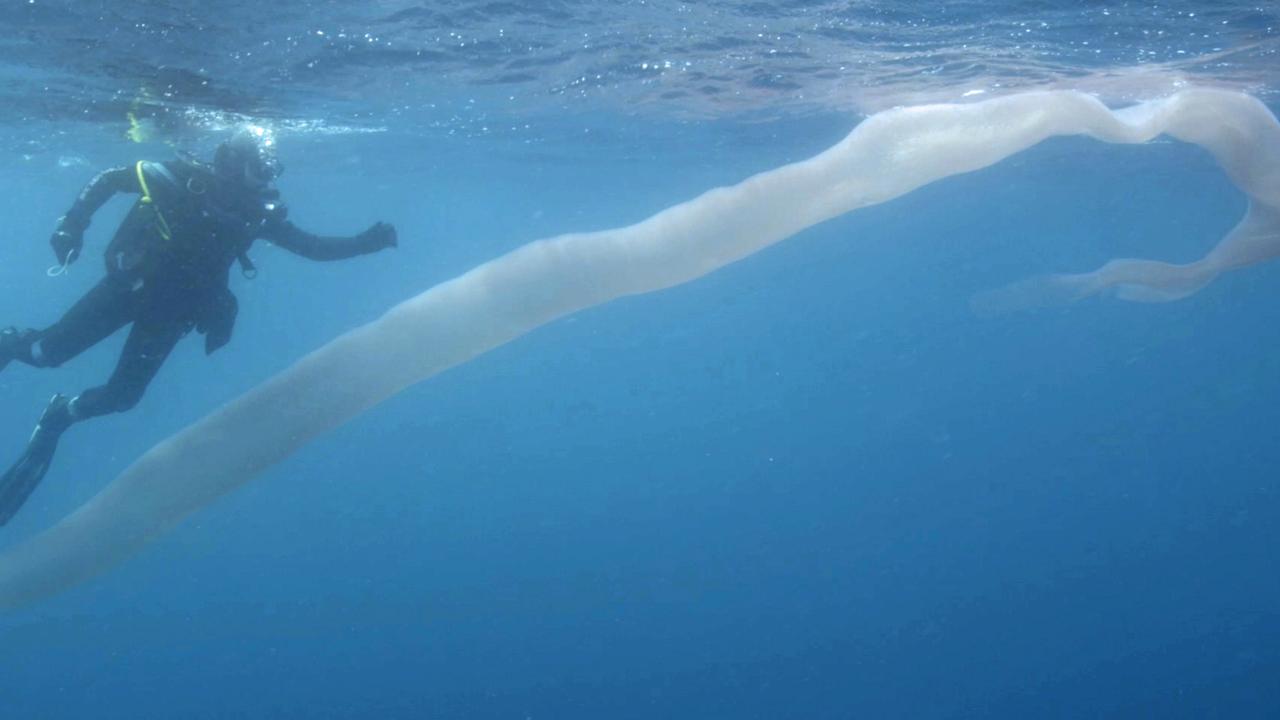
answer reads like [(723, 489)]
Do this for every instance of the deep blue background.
[(811, 485)]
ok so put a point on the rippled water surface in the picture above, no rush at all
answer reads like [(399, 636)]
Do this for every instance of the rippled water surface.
[(482, 66)]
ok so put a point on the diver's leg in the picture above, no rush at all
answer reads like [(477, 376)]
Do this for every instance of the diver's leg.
[(107, 307), (149, 344)]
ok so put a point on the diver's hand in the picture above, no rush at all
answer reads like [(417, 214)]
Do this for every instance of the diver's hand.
[(380, 235), (67, 244)]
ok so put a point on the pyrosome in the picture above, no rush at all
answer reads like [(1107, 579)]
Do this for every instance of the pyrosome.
[(886, 156)]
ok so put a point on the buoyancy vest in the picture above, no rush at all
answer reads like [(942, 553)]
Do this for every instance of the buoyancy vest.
[(175, 217)]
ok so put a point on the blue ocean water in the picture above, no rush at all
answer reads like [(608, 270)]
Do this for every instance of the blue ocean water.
[(809, 485)]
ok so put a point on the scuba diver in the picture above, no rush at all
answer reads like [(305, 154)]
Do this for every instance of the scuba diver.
[(168, 267)]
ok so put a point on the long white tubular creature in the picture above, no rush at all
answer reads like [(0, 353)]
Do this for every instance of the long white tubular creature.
[(886, 156)]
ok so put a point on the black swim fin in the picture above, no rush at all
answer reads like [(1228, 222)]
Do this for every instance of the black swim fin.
[(21, 479)]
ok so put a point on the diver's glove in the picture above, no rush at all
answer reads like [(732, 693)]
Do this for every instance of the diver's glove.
[(381, 235), (67, 242)]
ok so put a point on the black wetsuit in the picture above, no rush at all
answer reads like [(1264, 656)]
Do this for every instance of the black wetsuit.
[(167, 271)]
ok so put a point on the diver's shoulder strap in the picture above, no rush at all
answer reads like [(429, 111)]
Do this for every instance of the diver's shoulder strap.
[(156, 171), (162, 225), (161, 170), (142, 180)]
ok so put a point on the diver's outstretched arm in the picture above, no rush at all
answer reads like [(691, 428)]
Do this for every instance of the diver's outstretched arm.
[(317, 247), (1255, 239)]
